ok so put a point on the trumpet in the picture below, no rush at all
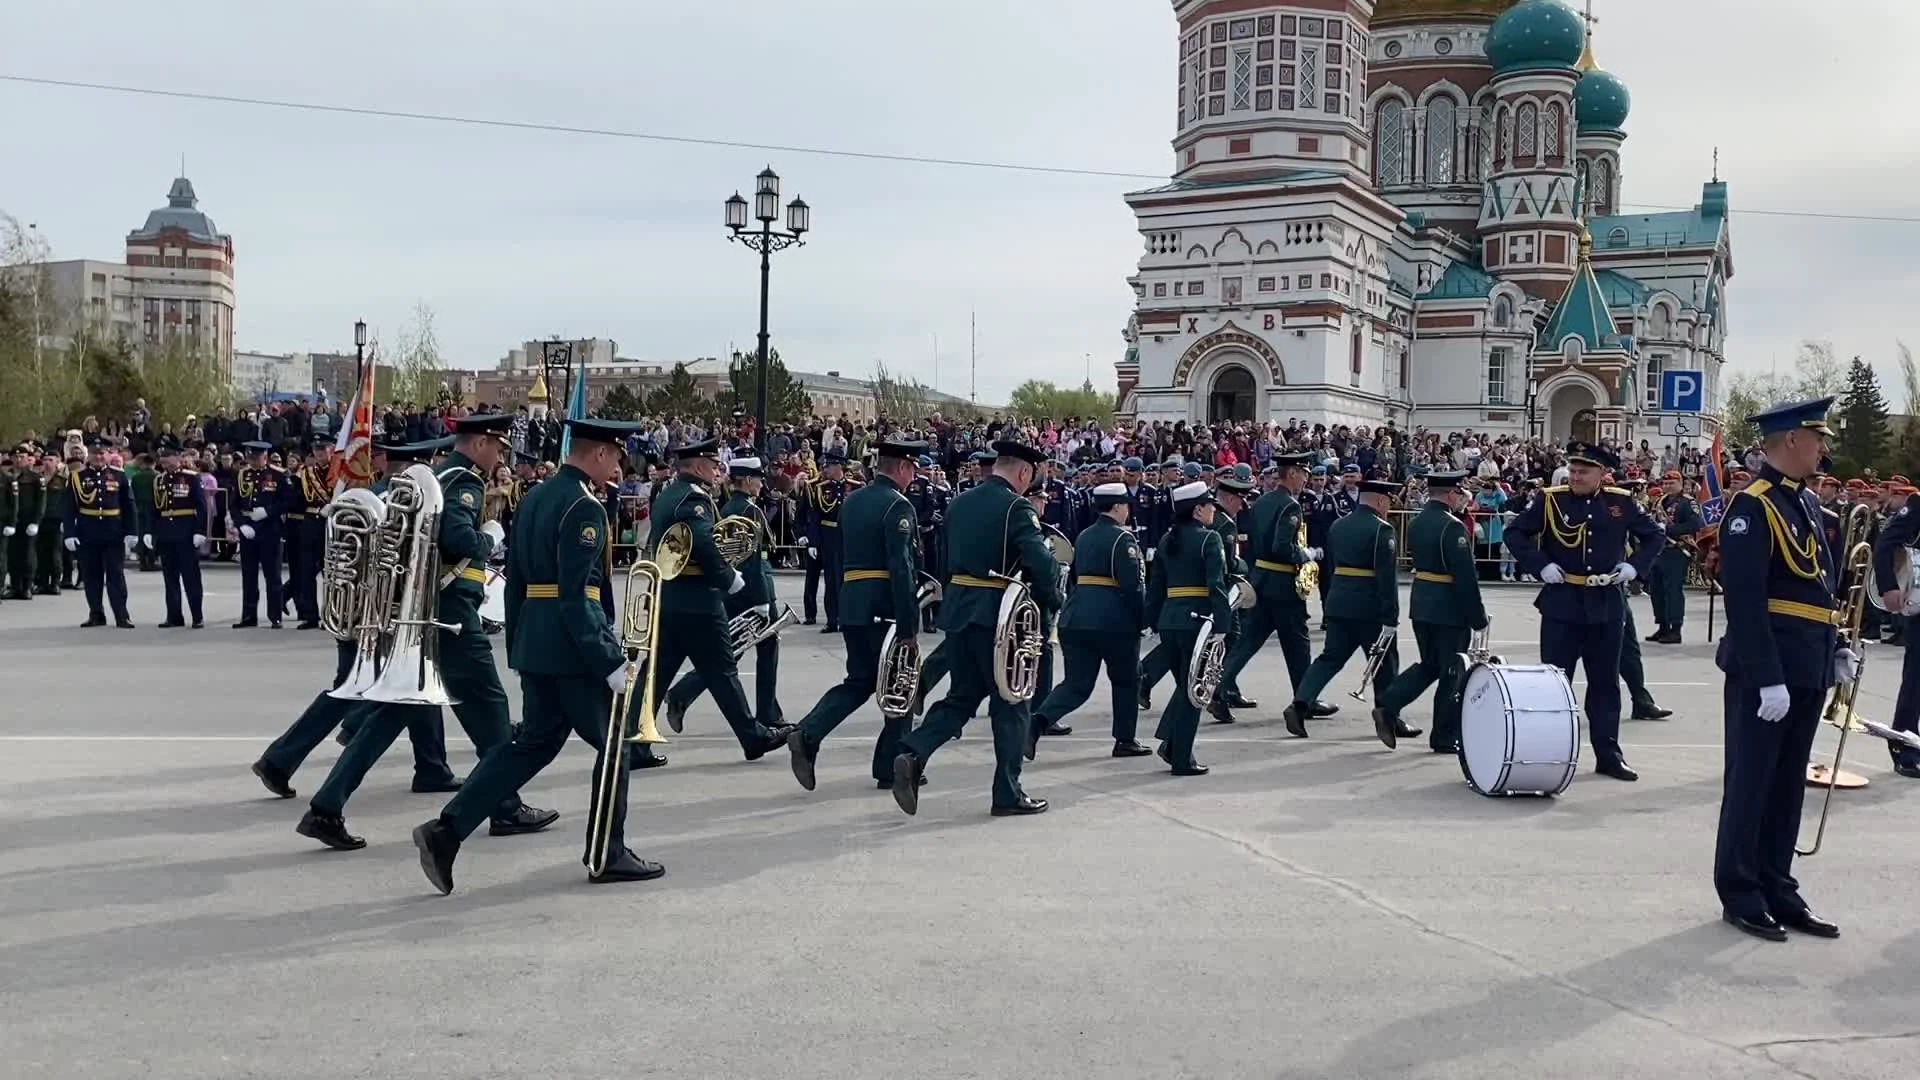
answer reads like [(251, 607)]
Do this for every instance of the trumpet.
[(1856, 571), (1375, 657)]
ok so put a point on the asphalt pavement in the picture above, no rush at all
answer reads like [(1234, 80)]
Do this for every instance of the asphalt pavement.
[(1314, 908)]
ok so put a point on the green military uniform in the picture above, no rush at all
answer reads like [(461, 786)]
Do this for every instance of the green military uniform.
[(140, 481), (1446, 608), (1187, 584), (1669, 584), (991, 530), (880, 572), (567, 653), (758, 572), (1274, 527), (1101, 625), (465, 658), (693, 616), (53, 563), (1363, 599)]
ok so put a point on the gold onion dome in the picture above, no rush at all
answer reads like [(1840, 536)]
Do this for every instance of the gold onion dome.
[(539, 391)]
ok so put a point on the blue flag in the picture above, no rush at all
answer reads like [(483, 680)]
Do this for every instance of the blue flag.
[(576, 403)]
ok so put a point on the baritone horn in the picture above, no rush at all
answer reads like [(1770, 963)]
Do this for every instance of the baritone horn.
[(1017, 642), (1206, 665), (899, 676)]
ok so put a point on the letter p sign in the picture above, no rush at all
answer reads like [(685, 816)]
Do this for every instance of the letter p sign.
[(1682, 391)]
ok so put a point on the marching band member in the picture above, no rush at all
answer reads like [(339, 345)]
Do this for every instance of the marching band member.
[(1780, 655), (1901, 531), (23, 530), (260, 499), (307, 498), (1564, 537), (50, 555), (747, 476), (1273, 532), (822, 539), (879, 586), (1446, 608), (465, 653), (693, 618), (1230, 495), (1668, 587), (1363, 601), (1159, 660), (99, 529), (1186, 583), (179, 518), (991, 530), (1101, 624), (566, 650)]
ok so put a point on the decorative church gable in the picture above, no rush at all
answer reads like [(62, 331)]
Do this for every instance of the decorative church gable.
[(1228, 336)]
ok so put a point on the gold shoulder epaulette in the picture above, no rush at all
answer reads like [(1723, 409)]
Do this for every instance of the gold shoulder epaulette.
[(1617, 491), (1555, 490), (1756, 489)]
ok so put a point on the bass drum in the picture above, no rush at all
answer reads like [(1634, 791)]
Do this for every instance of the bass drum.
[(493, 610), (1519, 730)]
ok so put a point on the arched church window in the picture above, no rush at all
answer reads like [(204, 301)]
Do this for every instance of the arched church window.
[(1487, 142), (1503, 147), (1585, 185), (1503, 313), (1526, 145), (1659, 323), (1440, 134), (1603, 186), (1389, 144), (1353, 377), (1550, 134)]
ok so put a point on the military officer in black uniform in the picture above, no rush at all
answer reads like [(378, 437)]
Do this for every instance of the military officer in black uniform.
[(23, 531), (1780, 654), (310, 488), (991, 532), (1363, 600), (260, 499), (1187, 584), (179, 518), (567, 652), (1668, 587), (465, 654), (1101, 625), (99, 530), (1901, 531), (1446, 608), (878, 590), (1585, 541), (822, 536)]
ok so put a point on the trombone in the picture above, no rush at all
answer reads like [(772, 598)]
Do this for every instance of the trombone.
[(1855, 571)]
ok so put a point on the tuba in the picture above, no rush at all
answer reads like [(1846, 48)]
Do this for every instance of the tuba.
[(1207, 664), (1306, 577), (899, 677), (346, 563), (406, 593)]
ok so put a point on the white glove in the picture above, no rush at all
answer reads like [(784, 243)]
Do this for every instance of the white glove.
[(736, 584), (199, 541), (73, 543), (1552, 574), (8, 531), (1315, 554), (146, 541), (33, 530), (492, 531), (132, 542), (258, 513), (1150, 554), (1774, 702), (806, 542), (1624, 573), (246, 532), (1846, 666), (618, 678), (813, 553)]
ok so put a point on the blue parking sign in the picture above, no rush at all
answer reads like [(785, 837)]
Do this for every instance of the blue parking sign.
[(1682, 391)]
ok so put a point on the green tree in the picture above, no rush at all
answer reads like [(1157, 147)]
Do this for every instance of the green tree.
[(787, 400), (679, 397), (1038, 398), (181, 381), (113, 380), (1863, 421), (416, 370), (622, 404), (900, 398), (1749, 393)]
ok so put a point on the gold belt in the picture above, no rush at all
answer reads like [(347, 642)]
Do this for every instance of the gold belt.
[(178, 513), (1094, 579), (831, 524), (1188, 592), (1276, 567), (979, 582), (866, 575), (474, 573), (552, 592), (1351, 571), (100, 513), (1809, 612), (296, 517), (1443, 579)]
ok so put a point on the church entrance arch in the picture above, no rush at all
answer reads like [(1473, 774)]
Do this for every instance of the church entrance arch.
[(1572, 413), (1230, 398)]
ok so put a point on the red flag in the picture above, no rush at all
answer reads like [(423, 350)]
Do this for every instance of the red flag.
[(353, 449)]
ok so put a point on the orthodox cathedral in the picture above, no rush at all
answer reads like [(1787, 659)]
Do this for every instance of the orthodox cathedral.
[(1410, 210)]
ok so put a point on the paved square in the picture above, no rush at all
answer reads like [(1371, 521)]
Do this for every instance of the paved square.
[(1318, 908)]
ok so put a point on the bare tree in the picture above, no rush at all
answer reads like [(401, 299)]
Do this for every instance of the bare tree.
[(1909, 377), (900, 398), (418, 370)]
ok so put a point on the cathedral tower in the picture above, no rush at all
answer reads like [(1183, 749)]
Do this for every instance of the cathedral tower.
[(1600, 102), (1529, 210)]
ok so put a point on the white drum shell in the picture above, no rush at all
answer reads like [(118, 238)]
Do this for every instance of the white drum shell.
[(1519, 730), (494, 608)]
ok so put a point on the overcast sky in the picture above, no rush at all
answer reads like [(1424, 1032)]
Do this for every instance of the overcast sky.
[(516, 234)]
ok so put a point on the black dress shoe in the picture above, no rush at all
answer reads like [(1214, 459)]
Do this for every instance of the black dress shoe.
[(627, 867), (1221, 712), (274, 779), (275, 623), (830, 628), (123, 624), (524, 819), (1296, 723), (1806, 922), (1238, 702), (775, 738), (676, 715), (906, 783), (645, 758), (1144, 700), (436, 787), (1385, 729), (1445, 748), (1195, 769), (1405, 730), (1762, 926), (171, 624), (1650, 711), (802, 756), (308, 624), (1907, 769), (199, 624), (883, 785), (1131, 748), (1320, 710), (1619, 770), (1055, 727), (1658, 633), (1026, 806), (329, 830), (1668, 637), (246, 624), (93, 621), (1161, 753), (438, 846)]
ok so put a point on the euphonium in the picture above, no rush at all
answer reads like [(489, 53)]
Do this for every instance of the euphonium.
[(753, 626), (1017, 643), (1306, 578), (346, 564), (1206, 665), (899, 677), (411, 672), (639, 629)]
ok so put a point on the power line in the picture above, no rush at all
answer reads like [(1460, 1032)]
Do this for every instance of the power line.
[(738, 144)]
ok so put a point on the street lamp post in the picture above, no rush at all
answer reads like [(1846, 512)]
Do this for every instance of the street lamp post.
[(766, 210), (1533, 397), (556, 360)]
